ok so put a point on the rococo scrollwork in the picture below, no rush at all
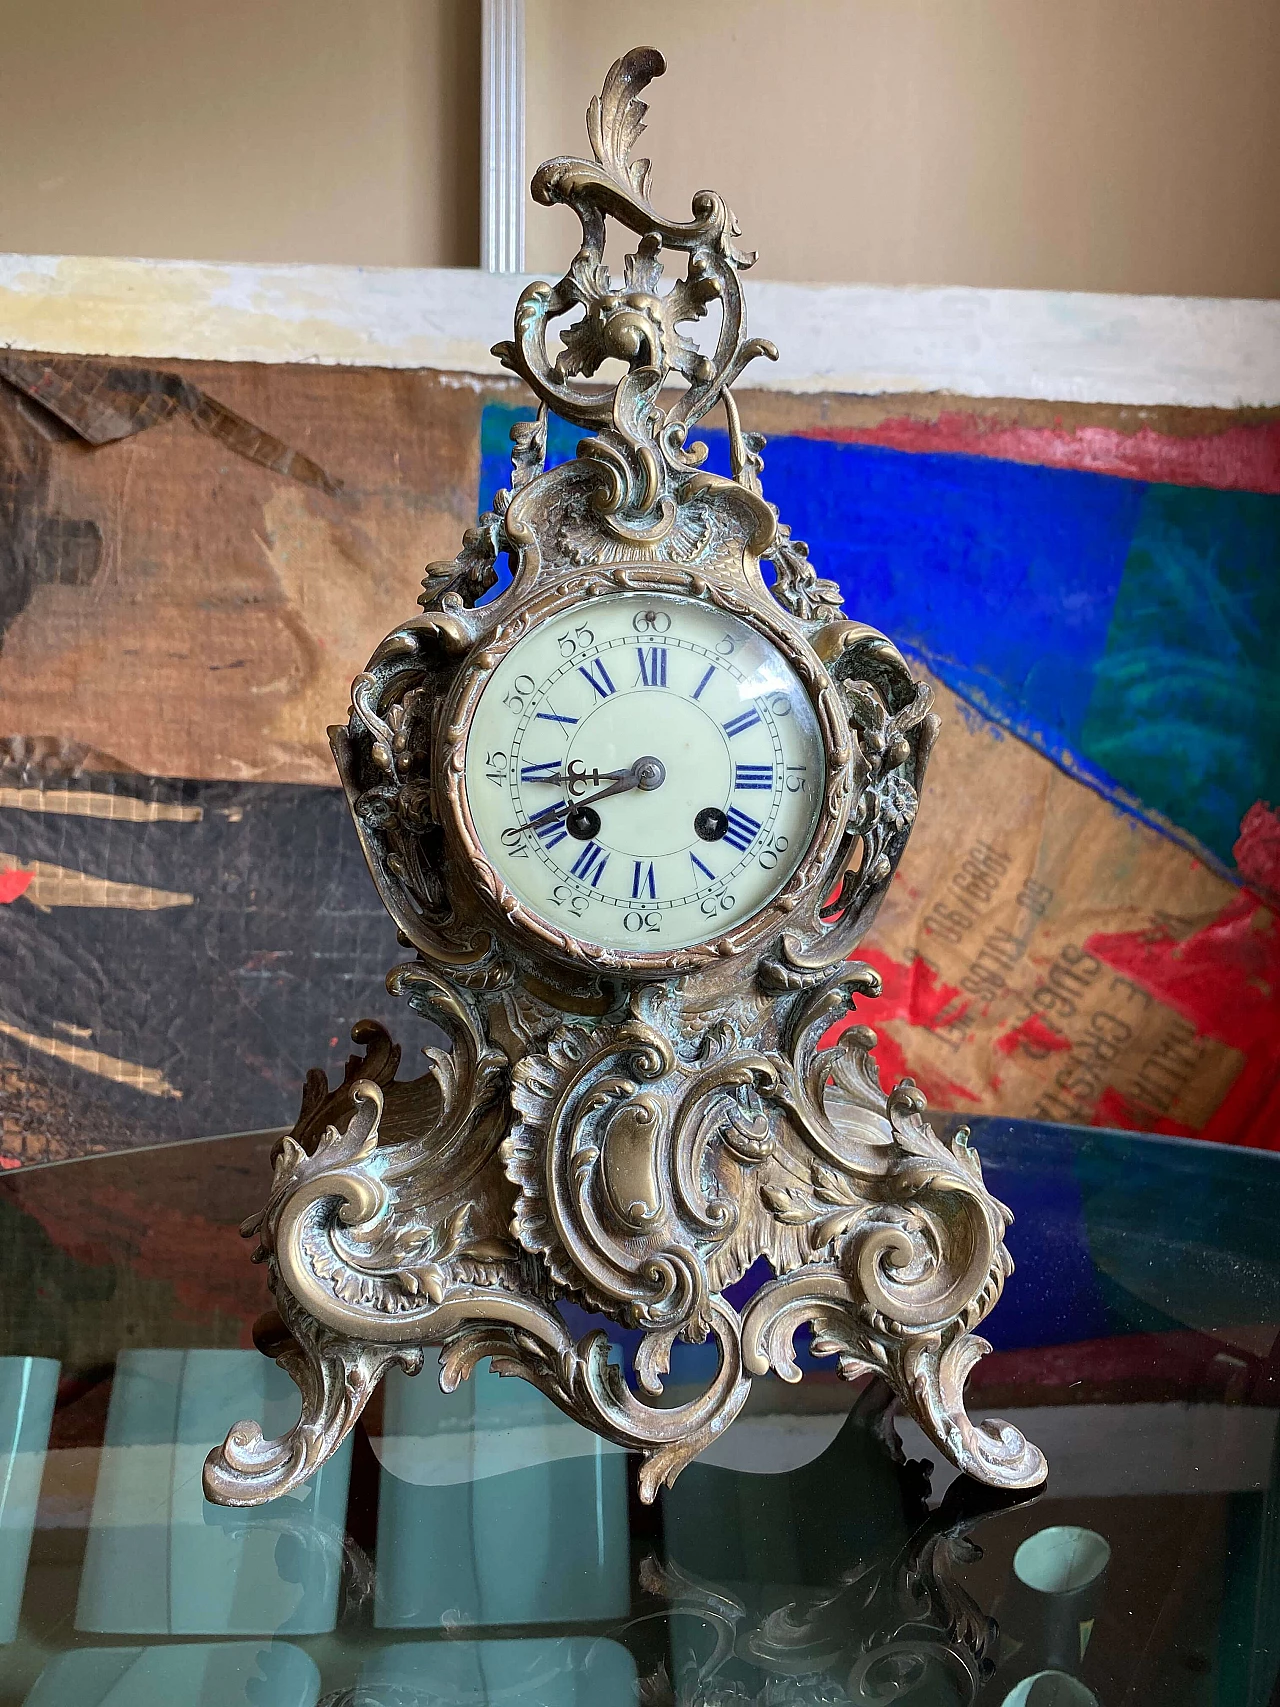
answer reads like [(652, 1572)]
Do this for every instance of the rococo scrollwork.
[(630, 1129)]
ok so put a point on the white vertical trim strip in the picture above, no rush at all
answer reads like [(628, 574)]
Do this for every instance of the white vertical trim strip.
[(502, 137)]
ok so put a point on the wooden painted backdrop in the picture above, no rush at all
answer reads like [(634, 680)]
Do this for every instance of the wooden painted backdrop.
[(196, 557)]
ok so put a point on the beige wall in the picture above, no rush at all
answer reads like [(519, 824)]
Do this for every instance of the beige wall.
[(1128, 145), (255, 130), (1115, 145)]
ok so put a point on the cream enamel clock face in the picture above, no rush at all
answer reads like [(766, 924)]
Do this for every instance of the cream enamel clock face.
[(644, 771)]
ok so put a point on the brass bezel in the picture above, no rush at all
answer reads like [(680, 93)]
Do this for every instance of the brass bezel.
[(521, 922)]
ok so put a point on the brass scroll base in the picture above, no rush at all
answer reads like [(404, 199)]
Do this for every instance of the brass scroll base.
[(884, 1238)]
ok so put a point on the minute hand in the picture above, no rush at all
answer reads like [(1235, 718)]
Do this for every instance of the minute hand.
[(626, 780)]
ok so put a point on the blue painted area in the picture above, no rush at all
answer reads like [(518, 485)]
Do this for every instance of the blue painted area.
[(1129, 631), (1002, 576), (496, 422), (1053, 1296)]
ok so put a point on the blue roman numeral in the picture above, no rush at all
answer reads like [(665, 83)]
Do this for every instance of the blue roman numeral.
[(697, 692), (598, 676), (589, 865), (705, 870), (540, 772), (743, 829), (643, 882), (550, 833), (753, 776), (744, 720), (653, 666)]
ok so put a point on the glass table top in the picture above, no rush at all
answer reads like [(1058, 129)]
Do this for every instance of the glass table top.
[(478, 1548)]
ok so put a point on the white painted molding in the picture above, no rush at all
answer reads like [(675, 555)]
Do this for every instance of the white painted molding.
[(502, 136), (1051, 345), (1060, 346)]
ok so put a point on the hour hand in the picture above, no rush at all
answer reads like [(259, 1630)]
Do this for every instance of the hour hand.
[(578, 776)]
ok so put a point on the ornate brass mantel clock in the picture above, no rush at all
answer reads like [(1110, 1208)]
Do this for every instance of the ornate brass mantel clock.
[(632, 814)]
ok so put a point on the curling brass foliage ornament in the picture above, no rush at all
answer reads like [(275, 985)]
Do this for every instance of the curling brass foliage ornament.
[(632, 815)]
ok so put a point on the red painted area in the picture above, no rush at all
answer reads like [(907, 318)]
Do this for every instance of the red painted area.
[(1033, 1036), (1257, 853), (1131, 1368), (916, 992), (1120, 1111), (913, 993), (111, 1228), (1225, 981), (13, 884), (1241, 458)]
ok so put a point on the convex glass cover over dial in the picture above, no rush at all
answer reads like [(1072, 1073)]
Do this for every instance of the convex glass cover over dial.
[(644, 771)]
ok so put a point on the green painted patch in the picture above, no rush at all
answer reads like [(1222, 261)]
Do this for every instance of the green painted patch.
[(1185, 709)]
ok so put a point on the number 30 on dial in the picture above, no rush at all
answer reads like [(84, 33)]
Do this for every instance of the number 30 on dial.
[(644, 771)]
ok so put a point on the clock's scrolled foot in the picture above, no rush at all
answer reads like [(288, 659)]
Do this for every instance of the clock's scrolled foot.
[(926, 1373), (994, 1451), (373, 1252), (336, 1378)]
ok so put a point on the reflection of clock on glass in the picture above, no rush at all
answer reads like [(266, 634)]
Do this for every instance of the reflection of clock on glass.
[(631, 812), (645, 771)]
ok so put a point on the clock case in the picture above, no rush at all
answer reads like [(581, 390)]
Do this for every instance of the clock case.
[(629, 1132)]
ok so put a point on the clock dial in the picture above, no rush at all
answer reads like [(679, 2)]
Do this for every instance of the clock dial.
[(644, 771)]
